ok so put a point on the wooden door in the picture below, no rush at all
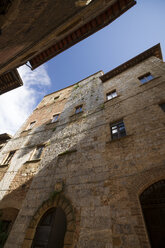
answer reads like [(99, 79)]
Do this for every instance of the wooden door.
[(51, 229)]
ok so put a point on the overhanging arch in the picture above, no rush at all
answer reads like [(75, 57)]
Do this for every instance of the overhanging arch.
[(57, 201)]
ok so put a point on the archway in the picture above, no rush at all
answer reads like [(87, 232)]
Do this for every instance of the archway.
[(51, 229), (153, 206), (7, 219), (56, 209)]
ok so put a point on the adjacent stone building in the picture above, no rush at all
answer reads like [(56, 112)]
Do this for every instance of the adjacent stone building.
[(46, 28), (87, 170)]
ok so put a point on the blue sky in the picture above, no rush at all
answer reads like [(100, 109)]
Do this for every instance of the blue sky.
[(140, 28)]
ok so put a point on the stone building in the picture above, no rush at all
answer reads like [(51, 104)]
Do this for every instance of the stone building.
[(86, 170)]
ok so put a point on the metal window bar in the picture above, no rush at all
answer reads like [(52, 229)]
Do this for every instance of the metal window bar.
[(118, 130)]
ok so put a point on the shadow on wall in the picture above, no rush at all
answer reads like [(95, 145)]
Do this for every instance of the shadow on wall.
[(68, 145)]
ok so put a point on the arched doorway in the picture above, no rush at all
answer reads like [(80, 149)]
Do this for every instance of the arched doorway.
[(153, 206), (51, 229), (7, 219)]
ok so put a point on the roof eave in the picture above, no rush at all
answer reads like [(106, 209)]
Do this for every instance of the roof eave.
[(153, 51)]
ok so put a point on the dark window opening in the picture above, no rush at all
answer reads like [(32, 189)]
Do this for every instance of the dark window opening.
[(38, 152), (55, 118), (153, 206), (78, 109), (162, 105), (111, 95), (55, 98), (145, 78), (31, 125), (51, 229), (9, 157), (117, 130)]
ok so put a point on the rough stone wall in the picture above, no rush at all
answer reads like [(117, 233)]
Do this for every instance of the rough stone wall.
[(102, 178)]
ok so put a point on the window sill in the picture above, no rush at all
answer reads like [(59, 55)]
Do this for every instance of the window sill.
[(149, 81), (52, 123), (119, 139), (25, 131), (67, 152), (32, 161), (77, 114)]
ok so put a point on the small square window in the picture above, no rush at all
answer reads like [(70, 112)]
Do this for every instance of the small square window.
[(37, 153), (117, 130), (78, 109), (162, 105), (145, 78), (31, 125), (111, 95), (9, 157), (55, 98), (55, 118)]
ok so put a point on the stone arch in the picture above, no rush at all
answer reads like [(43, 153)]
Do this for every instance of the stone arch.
[(136, 184), (51, 229), (152, 201), (57, 201)]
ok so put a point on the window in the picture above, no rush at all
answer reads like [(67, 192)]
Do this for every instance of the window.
[(31, 124), (9, 157), (38, 152), (55, 98), (78, 109), (118, 130), (162, 105), (55, 118), (111, 95), (145, 78)]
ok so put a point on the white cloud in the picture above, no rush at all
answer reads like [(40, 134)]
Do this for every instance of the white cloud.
[(16, 105)]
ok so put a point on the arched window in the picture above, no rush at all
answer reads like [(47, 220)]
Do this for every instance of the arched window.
[(153, 206), (51, 229)]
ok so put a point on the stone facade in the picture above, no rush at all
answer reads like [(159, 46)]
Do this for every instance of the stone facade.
[(96, 180)]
